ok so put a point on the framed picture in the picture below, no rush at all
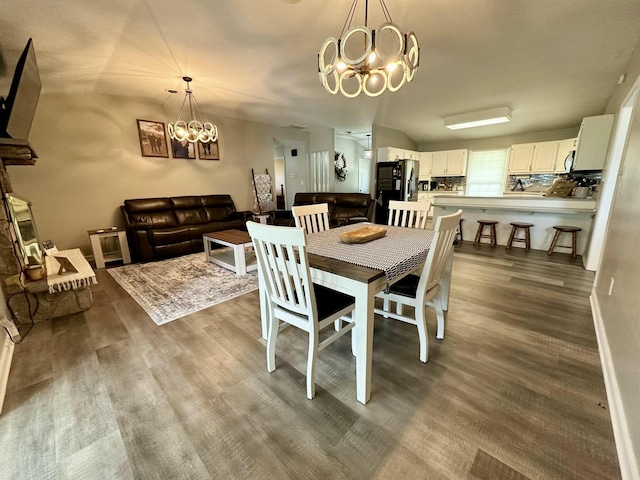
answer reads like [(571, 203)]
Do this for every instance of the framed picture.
[(182, 149), (153, 139), (208, 151)]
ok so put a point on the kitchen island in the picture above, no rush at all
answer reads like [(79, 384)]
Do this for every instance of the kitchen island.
[(542, 212)]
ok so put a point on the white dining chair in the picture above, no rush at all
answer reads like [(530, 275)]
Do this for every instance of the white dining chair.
[(292, 297), (418, 291), (313, 218), (408, 214)]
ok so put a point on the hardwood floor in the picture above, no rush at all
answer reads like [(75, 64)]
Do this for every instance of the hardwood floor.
[(514, 391)]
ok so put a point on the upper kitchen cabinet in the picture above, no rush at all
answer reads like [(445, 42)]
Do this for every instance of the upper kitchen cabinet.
[(393, 154), (544, 157), (390, 154), (527, 158), (426, 164), (593, 142), (565, 147), (520, 158), (449, 163)]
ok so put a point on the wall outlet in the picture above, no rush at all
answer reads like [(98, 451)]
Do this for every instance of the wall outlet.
[(611, 286)]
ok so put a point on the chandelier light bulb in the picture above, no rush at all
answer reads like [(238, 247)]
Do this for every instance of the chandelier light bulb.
[(346, 65)]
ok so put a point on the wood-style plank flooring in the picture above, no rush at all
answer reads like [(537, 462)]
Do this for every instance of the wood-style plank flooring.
[(514, 391)]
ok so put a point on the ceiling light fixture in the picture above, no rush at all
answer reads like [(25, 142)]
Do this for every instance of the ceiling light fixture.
[(386, 58), (367, 152), (195, 129), (478, 119)]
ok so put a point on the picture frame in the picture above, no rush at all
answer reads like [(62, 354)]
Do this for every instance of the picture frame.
[(209, 151), (183, 149), (153, 139)]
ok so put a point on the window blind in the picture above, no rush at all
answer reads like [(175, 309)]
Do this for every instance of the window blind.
[(486, 172)]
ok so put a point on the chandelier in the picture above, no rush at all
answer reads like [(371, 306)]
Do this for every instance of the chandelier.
[(194, 130), (369, 61)]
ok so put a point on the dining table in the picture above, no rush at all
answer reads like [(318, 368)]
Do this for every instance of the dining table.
[(362, 270)]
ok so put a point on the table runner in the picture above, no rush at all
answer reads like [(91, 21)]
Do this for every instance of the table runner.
[(69, 280), (400, 251)]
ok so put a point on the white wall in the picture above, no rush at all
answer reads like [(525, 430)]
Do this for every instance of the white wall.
[(90, 162), (619, 311), (353, 152)]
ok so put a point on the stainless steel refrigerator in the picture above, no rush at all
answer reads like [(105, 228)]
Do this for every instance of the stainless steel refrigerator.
[(395, 181)]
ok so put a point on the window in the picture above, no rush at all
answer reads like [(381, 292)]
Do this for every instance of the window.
[(486, 172)]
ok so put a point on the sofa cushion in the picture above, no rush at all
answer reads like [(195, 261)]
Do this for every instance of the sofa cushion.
[(191, 216), (147, 205), (168, 236), (154, 219)]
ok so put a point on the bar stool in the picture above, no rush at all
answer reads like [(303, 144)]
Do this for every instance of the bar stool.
[(492, 231), (458, 240), (515, 226), (574, 238)]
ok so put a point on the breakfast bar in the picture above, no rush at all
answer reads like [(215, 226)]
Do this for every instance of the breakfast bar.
[(542, 212)]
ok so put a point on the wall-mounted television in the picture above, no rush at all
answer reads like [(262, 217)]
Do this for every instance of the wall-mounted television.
[(19, 107)]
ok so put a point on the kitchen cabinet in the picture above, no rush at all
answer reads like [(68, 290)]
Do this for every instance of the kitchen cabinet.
[(389, 154), (449, 163), (544, 157), (593, 142), (393, 154), (520, 158), (528, 158), (426, 164), (564, 148)]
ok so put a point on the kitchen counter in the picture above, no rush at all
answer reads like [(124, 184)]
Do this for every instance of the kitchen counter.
[(542, 212)]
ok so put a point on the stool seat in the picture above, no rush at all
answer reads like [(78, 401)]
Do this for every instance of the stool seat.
[(567, 228), (515, 226), (521, 224), (560, 229), (492, 232)]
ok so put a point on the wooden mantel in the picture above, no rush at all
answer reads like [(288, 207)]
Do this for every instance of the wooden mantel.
[(17, 152)]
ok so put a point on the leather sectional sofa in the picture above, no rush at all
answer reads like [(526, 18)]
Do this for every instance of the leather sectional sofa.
[(344, 208), (167, 227)]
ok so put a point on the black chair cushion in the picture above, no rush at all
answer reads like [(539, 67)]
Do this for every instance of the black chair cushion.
[(330, 301), (406, 286)]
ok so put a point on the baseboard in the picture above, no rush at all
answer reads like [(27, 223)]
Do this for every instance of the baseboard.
[(626, 457), (6, 355)]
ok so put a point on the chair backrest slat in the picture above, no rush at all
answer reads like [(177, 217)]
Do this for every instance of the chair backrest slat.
[(313, 218), (408, 214)]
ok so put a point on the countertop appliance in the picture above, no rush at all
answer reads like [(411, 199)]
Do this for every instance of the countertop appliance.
[(395, 181)]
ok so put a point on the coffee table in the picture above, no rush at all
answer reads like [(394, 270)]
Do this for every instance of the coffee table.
[(237, 259)]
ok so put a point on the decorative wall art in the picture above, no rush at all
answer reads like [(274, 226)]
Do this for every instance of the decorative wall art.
[(340, 164), (182, 149), (208, 151), (153, 140)]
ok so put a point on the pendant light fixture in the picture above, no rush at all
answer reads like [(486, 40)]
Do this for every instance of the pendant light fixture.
[(367, 152), (365, 60), (197, 128)]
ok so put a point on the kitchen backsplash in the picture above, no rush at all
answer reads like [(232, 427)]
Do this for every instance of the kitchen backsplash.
[(542, 181), (449, 183)]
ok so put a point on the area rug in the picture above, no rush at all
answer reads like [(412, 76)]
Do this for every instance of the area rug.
[(173, 288)]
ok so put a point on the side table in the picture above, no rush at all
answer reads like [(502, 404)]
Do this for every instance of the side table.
[(96, 237)]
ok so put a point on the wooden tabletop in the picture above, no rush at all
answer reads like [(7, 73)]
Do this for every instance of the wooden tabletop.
[(236, 237)]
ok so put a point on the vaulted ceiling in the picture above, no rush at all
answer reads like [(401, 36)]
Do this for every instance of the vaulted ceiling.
[(552, 62)]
